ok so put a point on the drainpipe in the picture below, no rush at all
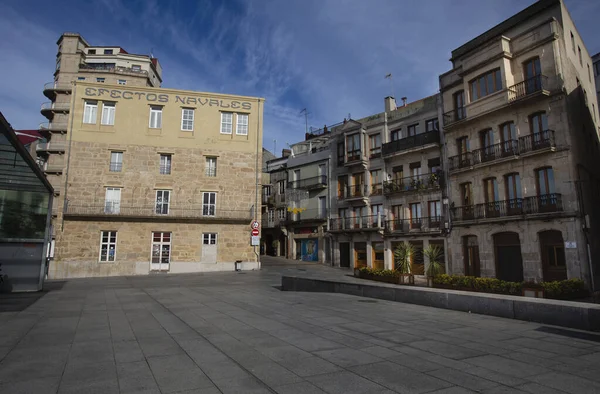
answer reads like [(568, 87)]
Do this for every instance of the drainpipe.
[(71, 115), (258, 173)]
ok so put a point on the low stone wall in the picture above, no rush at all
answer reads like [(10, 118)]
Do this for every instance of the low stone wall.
[(570, 314)]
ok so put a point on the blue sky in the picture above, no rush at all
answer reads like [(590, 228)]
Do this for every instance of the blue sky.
[(329, 56)]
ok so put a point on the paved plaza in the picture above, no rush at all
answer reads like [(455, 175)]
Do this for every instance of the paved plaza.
[(238, 333)]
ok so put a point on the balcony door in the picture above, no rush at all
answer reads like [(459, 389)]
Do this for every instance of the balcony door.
[(546, 193), (492, 204), (471, 256), (415, 216), (533, 72), (509, 262), (358, 184), (343, 187), (459, 105), (466, 195), (539, 130), (552, 250), (487, 141), (462, 145), (161, 251), (508, 136), (322, 213), (112, 200), (514, 203)]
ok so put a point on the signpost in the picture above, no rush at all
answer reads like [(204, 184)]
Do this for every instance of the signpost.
[(255, 232), (255, 240)]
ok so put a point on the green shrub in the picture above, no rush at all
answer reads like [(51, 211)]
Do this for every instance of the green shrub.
[(565, 289), (379, 272)]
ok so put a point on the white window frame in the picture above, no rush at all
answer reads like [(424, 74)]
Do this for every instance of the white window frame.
[(165, 164), (162, 203), (112, 206), (156, 112), (116, 159), (90, 111), (226, 124), (281, 213), (187, 119), (160, 244), (108, 244), (241, 126), (122, 81), (108, 113), (209, 238), (211, 170), (208, 208)]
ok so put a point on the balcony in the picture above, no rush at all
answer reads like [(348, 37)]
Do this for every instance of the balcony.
[(408, 143), (359, 223), (44, 127), (54, 168), (51, 88), (111, 68), (317, 182), (270, 223), (51, 147), (265, 199), (357, 192), (508, 150), (49, 109), (118, 211), (422, 183), (376, 190), (530, 86), (547, 203), (309, 215), (422, 224), (455, 115)]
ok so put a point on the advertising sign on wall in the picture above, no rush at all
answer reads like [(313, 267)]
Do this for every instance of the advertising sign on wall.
[(310, 249)]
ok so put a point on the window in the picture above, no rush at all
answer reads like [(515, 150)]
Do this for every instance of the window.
[(112, 200), (589, 73), (378, 255), (538, 123), (412, 130), (187, 119), (155, 117), (281, 214), (508, 136), (91, 51), (353, 147), (486, 138), (281, 187), (415, 215), (226, 122), (101, 80), (375, 145), (322, 207), (242, 124), (466, 194), (108, 51), (340, 153), (376, 185), (545, 181), (573, 42), (486, 84), (165, 164), (597, 68), (116, 161), (579, 53), (490, 190), (397, 212), (161, 247), (162, 202), (459, 106), (594, 111), (58, 64), (81, 78), (211, 166), (108, 114), (90, 112), (513, 186), (396, 135), (432, 125), (136, 67), (122, 82), (342, 186), (108, 246), (209, 238), (435, 209), (209, 203), (415, 170)]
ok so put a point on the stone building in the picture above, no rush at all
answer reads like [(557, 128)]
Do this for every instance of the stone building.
[(274, 233), (520, 126), (387, 175), (158, 180), (596, 74)]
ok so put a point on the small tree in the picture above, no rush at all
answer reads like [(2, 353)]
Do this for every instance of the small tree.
[(402, 255), (434, 254)]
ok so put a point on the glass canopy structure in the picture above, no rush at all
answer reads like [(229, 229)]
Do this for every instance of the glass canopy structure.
[(25, 215)]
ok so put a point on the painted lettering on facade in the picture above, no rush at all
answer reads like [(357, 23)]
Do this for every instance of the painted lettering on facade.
[(165, 98)]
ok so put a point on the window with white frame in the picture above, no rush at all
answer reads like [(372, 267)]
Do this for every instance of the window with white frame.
[(271, 215), (211, 166), (162, 202), (116, 161), (108, 246), (226, 122), (161, 248), (209, 203), (187, 119), (122, 82), (209, 238), (108, 114), (90, 111), (112, 200), (242, 124), (155, 117), (281, 214), (165, 164)]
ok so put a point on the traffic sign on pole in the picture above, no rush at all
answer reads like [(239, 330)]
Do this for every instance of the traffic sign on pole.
[(255, 232), (255, 224)]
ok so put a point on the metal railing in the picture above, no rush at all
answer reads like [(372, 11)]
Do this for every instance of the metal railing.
[(309, 183), (430, 223), (527, 87), (308, 215), (53, 126), (64, 86), (118, 209), (528, 143), (374, 153), (271, 223), (50, 106), (376, 189), (164, 169), (455, 115), (514, 207), (115, 166), (423, 182), (429, 137), (370, 222), (111, 68)]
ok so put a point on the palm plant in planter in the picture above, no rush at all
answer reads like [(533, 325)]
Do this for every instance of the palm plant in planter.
[(434, 267), (402, 255)]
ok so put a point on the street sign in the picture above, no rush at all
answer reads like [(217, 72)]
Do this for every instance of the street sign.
[(255, 224), (255, 241), (255, 232)]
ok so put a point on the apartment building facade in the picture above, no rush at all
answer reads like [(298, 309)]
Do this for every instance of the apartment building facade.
[(520, 126), (274, 234), (158, 180), (389, 185)]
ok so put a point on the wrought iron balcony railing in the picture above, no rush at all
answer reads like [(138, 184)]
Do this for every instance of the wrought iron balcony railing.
[(544, 203), (353, 191), (429, 137), (527, 87), (370, 222), (515, 207), (430, 223), (537, 141), (316, 182), (455, 115), (308, 215), (423, 182), (495, 152)]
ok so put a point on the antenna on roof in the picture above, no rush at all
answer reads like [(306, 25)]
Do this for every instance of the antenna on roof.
[(305, 112), (275, 147), (349, 116)]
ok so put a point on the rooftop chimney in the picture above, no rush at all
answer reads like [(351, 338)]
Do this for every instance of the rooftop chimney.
[(389, 103), (286, 152), (404, 101)]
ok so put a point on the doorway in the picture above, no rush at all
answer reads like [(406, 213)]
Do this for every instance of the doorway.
[(209, 247), (161, 251), (345, 254), (552, 250), (509, 263), (471, 256)]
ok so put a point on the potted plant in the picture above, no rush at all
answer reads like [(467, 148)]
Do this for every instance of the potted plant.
[(402, 255), (434, 267)]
